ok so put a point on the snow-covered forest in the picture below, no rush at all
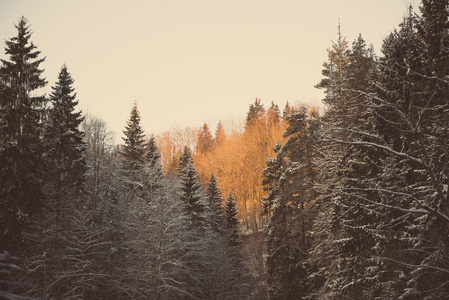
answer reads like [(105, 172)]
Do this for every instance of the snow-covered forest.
[(347, 203)]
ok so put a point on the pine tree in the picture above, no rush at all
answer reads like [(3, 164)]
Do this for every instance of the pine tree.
[(20, 134)]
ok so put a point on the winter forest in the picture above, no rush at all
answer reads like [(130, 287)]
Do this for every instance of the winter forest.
[(349, 202)]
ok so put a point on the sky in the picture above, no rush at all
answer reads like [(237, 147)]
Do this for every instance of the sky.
[(186, 63)]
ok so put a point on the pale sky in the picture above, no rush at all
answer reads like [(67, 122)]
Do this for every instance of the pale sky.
[(192, 62)]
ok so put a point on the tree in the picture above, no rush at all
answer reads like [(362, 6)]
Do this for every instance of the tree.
[(215, 202), (152, 162), (184, 159), (255, 112), (64, 163), (205, 142), (64, 148), (231, 221), (412, 124), (100, 158), (191, 195), (347, 246), (289, 180), (20, 134), (134, 148), (152, 155), (220, 135)]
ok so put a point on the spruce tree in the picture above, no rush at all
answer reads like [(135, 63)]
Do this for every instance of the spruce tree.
[(345, 167), (289, 179), (231, 220), (205, 141), (255, 112), (215, 200), (151, 175), (190, 193), (412, 106), (220, 135), (184, 159), (64, 147), (21, 115), (134, 149), (152, 155)]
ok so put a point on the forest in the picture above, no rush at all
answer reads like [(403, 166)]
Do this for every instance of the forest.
[(349, 202)]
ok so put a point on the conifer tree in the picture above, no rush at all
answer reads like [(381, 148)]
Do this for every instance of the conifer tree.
[(184, 159), (289, 179), (152, 155), (232, 221), (64, 147), (220, 135), (152, 169), (190, 193), (255, 112), (215, 202), (205, 142), (134, 149), (343, 167), (21, 114), (413, 123)]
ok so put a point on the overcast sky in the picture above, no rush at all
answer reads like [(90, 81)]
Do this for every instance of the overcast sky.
[(191, 62)]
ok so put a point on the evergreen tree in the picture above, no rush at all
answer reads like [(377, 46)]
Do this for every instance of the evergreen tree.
[(21, 114), (232, 221), (134, 149), (153, 168), (413, 123), (220, 135), (271, 175), (273, 115), (184, 159), (347, 246), (205, 141), (289, 179), (215, 202), (64, 147), (190, 193), (255, 112), (152, 155)]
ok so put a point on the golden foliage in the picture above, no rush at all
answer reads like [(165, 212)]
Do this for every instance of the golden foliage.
[(237, 157)]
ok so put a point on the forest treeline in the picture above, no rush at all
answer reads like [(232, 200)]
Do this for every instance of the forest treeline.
[(234, 153), (350, 203)]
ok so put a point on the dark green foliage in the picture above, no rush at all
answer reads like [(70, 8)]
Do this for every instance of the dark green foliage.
[(184, 159), (190, 193), (21, 116), (134, 149), (64, 147), (383, 173), (289, 179), (215, 201), (231, 221), (152, 155), (205, 142), (256, 110)]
